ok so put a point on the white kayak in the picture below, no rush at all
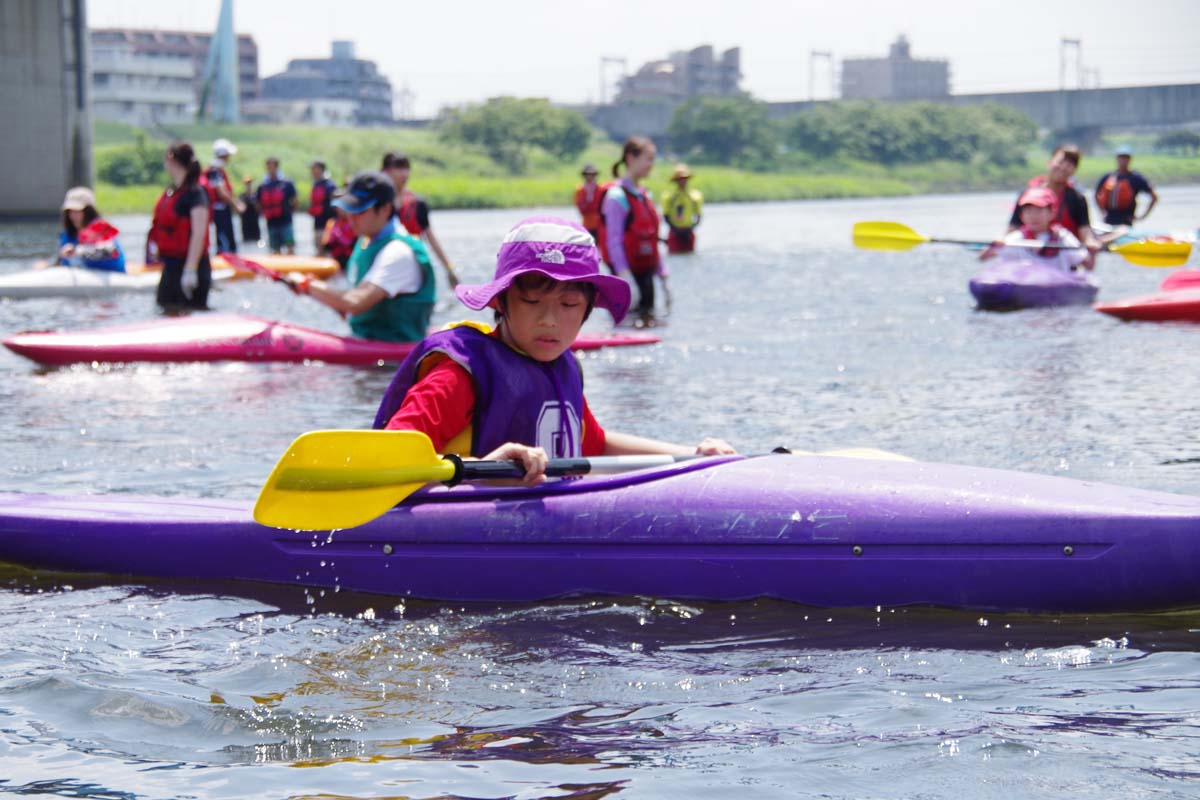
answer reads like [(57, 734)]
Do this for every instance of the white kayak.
[(81, 282)]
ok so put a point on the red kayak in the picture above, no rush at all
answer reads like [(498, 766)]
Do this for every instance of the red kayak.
[(1178, 300), (229, 337)]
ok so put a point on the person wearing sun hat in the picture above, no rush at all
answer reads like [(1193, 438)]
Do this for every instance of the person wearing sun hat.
[(87, 240), (516, 392), (1036, 209), (392, 281), (681, 209), (589, 196)]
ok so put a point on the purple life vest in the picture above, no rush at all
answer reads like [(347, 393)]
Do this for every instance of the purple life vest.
[(517, 398)]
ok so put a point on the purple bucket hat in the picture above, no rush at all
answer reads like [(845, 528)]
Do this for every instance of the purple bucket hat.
[(556, 248)]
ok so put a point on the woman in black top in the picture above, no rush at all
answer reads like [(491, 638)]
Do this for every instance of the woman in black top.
[(179, 231)]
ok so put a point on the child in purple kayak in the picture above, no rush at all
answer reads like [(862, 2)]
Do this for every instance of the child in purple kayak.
[(1036, 209), (515, 393)]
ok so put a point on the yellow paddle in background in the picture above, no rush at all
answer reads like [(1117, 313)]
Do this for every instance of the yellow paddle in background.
[(896, 236), (341, 479)]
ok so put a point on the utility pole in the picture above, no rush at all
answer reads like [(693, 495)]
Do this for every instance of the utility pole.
[(813, 56), (1063, 46), (605, 62)]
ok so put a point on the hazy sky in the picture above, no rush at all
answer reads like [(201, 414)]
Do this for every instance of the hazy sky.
[(450, 52)]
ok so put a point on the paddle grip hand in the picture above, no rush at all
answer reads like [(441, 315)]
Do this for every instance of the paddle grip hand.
[(514, 470), (712, 446), (299, 284), (529, 463)]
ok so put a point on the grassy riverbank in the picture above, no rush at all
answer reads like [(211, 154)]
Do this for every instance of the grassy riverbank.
[(451, 176)]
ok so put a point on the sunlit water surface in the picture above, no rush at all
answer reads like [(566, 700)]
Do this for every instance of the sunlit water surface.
[(780, 333)]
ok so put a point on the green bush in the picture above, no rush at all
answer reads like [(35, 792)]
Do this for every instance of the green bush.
[(1181, 142), (134, 164), (506, 127), (724, 130), (910, 133)]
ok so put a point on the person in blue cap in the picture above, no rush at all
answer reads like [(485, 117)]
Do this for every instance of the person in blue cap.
[(390, 272), (1117, 192)]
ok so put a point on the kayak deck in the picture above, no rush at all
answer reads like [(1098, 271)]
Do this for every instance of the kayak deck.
[(809, 529)]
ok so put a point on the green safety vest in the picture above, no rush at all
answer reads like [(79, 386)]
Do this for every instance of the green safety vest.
[(403, 318)]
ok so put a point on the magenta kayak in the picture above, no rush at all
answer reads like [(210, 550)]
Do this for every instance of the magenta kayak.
[(1178, 300), (229, 337)]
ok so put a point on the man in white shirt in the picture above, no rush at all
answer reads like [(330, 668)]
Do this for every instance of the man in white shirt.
[(393, 284)]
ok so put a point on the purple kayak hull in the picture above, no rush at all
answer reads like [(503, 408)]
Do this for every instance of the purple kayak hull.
[(815, 530), (1008, 285)]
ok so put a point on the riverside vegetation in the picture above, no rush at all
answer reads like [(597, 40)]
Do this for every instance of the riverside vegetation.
[(510, 153)]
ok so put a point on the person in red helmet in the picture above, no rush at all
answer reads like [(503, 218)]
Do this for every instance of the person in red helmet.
[(1071, 211), (1036, 208)]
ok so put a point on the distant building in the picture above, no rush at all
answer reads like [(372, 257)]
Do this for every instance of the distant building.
[(142, 76), (341, 78), (897, 77), (684, 75)]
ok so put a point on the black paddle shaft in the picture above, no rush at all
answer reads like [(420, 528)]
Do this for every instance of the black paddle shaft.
[(500, 470), (556, 468)]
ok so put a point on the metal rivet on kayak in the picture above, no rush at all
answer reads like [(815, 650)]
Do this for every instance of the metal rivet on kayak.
[(387, 549), (857, 550), (1068, 551)]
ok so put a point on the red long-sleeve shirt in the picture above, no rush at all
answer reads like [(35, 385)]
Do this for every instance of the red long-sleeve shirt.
[(442, 404)]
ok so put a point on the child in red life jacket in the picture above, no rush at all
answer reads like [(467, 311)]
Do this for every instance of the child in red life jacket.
[(516, 393), (1036, 209)]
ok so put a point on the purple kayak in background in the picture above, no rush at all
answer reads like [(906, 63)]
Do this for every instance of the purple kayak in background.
[(1011, 284), (822, 531)]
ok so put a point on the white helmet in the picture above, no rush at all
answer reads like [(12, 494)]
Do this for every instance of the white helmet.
[(223, 147)]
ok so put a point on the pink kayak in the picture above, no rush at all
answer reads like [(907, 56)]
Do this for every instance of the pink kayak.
[(229, 337), (1178, 300)]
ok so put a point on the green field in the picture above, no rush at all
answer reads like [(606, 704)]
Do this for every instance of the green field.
[(454, 176)]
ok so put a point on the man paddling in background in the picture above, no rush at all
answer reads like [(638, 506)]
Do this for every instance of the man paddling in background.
[(392, 278), (1072, 210), (412, 212)]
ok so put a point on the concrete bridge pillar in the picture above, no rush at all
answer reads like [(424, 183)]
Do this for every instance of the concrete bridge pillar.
[(46, 127)]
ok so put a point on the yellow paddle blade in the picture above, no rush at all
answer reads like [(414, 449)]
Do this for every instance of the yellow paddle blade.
[(1155, 253), (340, 479), (886, 236)]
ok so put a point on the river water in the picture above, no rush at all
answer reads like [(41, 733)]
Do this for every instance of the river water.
[(780, 333)]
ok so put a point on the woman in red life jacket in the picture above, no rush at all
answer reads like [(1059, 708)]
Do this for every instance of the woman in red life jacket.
[(179, 232), (629, 224)]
